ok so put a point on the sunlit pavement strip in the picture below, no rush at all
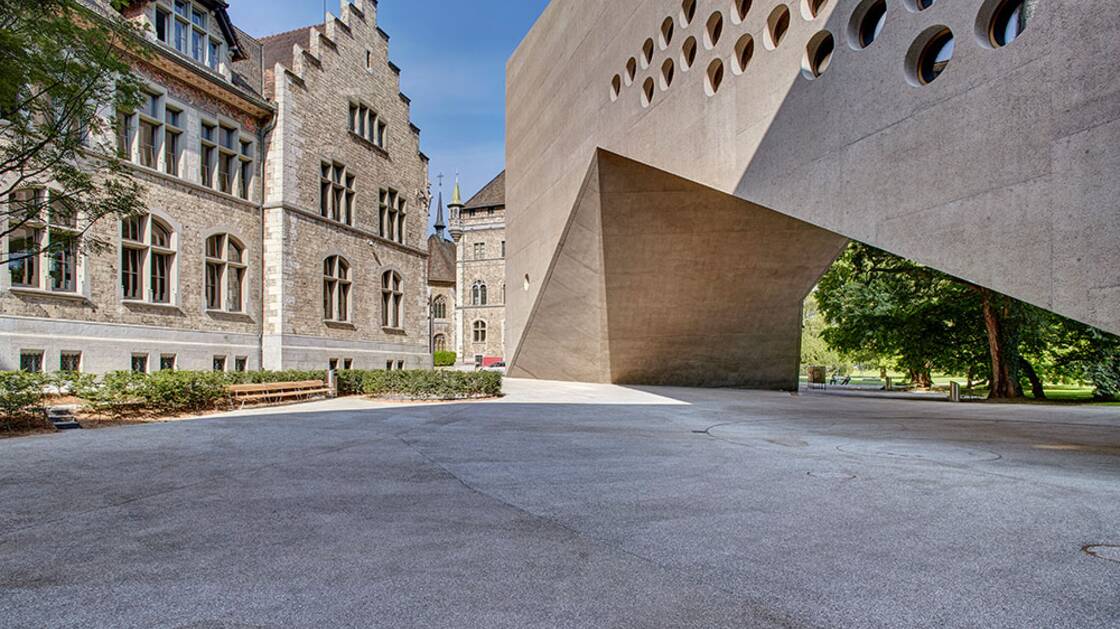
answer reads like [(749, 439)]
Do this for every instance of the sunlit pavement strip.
[(572, 505)]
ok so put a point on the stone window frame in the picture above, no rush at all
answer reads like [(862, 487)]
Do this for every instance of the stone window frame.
[(44, 258), (364, 122), (139, 362), (166, 359), (439, 342), (337, 192), (223, 142), (148, 251), (478, 293), (224, 265), (74, 354), (32, 360), (439, 308), (338, 282), (392, 300), (392, 215), (478, 331), (165, 14)]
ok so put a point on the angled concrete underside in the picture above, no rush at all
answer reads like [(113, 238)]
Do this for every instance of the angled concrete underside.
[(1003, 171), (660, 280)]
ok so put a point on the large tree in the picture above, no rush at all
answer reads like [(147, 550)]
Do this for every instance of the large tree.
[(65, 73), (924, 320)]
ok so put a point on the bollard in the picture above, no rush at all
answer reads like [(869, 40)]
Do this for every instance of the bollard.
[(887, 387), (954, 392)]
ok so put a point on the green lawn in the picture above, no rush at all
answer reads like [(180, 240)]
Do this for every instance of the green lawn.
[(1058, 393)]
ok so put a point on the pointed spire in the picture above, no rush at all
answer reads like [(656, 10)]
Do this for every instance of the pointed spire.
[(440, 224), (456, 196)]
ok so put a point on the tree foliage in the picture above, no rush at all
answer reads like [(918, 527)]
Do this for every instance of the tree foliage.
[(877, 305), (65, 73)]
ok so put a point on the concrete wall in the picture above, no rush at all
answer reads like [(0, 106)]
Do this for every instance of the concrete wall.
[(1001, 171)]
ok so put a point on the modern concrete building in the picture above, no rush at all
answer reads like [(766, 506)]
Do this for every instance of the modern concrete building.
[(284, 229), (681, 172)]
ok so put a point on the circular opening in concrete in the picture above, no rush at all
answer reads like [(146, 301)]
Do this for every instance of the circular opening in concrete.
[(713, 31), (1001, 22), (818, 55), (1108, 552), (777, 25), (929, 55), (811, 9), (688, 12), (647, 53), (616, 87), (667, 70), (742, 8), (666, 33), (631, 70), (867, 23), (688, 53), (647, 92), (714, 78), (744, 52), (919, 5)]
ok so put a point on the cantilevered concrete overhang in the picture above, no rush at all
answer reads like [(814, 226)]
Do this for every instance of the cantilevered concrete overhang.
[(1002, 171)]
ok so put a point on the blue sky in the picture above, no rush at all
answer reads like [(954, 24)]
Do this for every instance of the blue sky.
[(452, 55)]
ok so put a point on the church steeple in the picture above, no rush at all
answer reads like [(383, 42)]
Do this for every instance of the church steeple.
[(440, 225), (456, 196), (456, 206)]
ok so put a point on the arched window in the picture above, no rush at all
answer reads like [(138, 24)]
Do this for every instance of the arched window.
[(336, 289), (392, 300), (440, 343), (148, 247), (225, 273), (479, 331), (439, 308), (478, 294)]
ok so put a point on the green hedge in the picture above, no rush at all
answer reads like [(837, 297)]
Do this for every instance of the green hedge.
[(184, 391), (432, 385), (444, 359)]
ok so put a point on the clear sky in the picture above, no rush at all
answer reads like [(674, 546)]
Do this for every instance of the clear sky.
[(452, 55)]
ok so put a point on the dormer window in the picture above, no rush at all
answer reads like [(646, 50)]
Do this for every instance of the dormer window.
[(184, 26)]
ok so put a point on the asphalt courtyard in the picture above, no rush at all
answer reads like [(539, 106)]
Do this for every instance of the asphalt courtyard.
[(567, 505)]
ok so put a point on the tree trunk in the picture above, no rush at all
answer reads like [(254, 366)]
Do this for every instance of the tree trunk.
[(1036, 384), (1002, 345)]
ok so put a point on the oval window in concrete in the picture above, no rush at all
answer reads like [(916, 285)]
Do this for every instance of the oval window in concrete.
[(777, 25), (688, 53), (631, 70), (929, 55), (666, 33), (714, 79), (744, 52), (667, 71), (713, 31), (616, 87), (818, 54), (688, 12), (810, 9), (867, 23), (1003, 21), (742, 8), (647, 53), (647, 92)]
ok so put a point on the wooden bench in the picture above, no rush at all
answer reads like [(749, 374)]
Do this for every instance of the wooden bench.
[(277, 391)]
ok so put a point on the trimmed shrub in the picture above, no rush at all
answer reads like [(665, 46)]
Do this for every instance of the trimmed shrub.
[(177, 391), (114, 392), (20, 393), (444, 359), (432, 385), (350, 381), (266, 377)]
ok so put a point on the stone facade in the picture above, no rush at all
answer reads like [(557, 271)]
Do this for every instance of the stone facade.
[(479, 230), (296, 116)]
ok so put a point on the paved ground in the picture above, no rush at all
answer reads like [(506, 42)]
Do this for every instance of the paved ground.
[(571, 506)]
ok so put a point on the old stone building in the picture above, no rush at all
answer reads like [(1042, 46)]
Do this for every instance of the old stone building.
[(479, 230), (284, 228), (442, 297)]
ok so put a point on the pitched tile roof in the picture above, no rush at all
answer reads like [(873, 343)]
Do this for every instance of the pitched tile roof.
[(492, 194)]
